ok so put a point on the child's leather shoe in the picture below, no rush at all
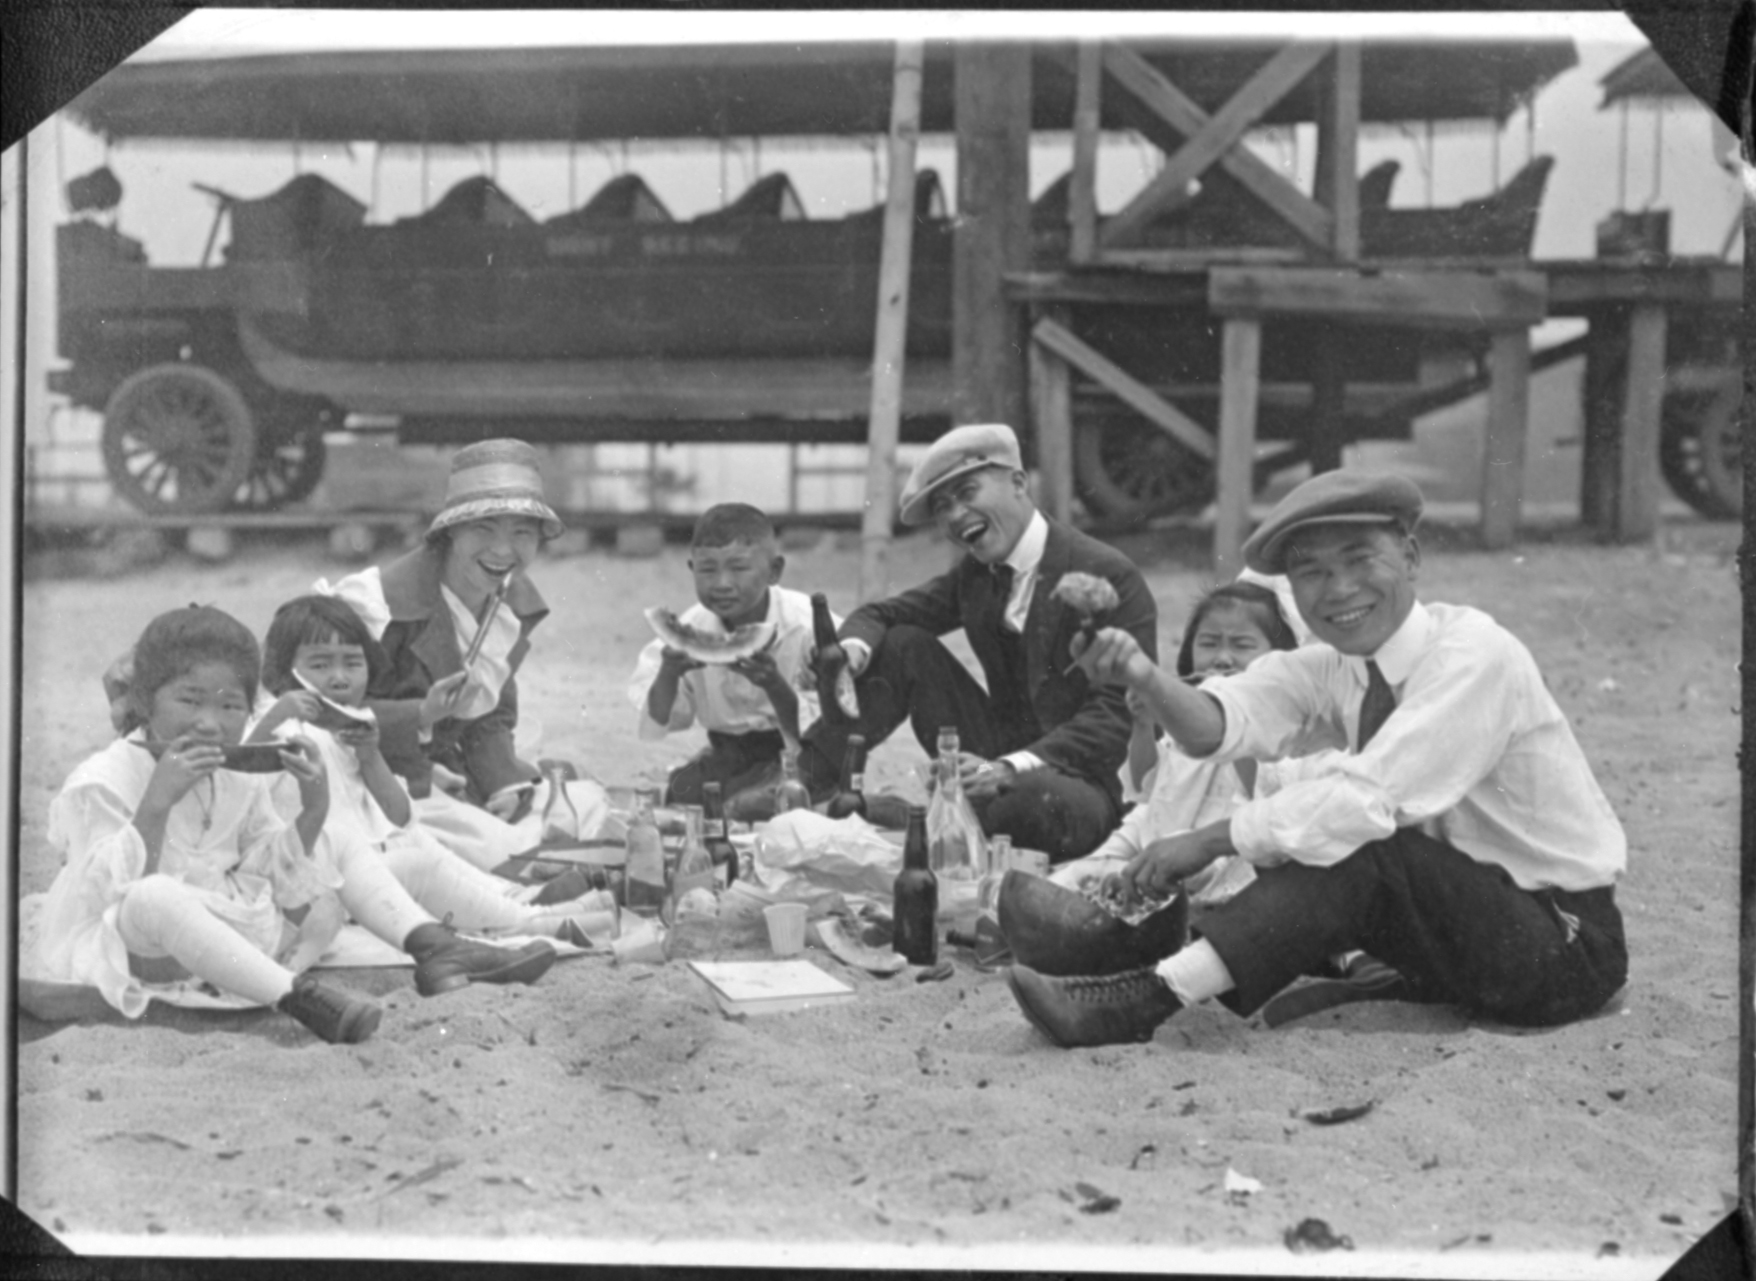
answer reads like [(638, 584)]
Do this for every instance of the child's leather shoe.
[(445, 962), (338, 1017)]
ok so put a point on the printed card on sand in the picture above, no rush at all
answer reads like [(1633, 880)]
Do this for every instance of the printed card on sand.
[(769, 987)]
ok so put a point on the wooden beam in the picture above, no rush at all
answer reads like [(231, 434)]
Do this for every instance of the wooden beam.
[(1130, 390), (891, 328), (1051, 385), (1328, 400), (1338, 134), (1503, 447), (1438, 299), (1167, 106), (992, 231), (1643, 397), (1219, 135), (1240, 366), (1601, 418), (1082, 182)]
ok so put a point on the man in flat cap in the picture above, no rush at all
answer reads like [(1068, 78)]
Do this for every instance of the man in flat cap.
[(1461, 839), (1044, 742)]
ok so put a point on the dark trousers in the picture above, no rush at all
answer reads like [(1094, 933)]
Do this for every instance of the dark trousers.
[(913, 677), (734, 761), (1460, 931)]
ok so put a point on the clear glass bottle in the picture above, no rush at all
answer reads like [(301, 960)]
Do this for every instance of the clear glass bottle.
[(914, 907), (694, 863), (644, 892), (715, 834), (792, 794), (560, 818), (995, 866), (955, 836), (851, 797)]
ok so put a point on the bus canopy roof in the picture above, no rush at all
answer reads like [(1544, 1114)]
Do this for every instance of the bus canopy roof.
[(605, 93)]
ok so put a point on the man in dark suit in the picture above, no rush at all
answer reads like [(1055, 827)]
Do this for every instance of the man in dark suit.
[(1042, 744)]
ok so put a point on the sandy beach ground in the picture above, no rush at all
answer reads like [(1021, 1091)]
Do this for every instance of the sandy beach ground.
[(611, 1113)]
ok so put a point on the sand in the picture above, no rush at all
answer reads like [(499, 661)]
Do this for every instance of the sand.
[(611, 1113)]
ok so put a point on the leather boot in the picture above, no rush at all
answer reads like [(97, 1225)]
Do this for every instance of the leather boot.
[(444, 962), (338, 1017), (1093, 1010)]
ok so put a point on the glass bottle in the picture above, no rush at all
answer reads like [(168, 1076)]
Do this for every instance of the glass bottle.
[(998, 860), (560, 818), (914, 908), (715, 835), (956, 838), (851, 798), (792, 794), (829, 665), (645, 875), (694, 863)]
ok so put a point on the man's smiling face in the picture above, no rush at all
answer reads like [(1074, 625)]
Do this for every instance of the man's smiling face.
[(984, 512), (1354, 584)]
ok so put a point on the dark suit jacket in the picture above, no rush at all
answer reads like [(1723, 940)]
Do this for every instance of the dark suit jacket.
[(422, 645), (1085, 727)]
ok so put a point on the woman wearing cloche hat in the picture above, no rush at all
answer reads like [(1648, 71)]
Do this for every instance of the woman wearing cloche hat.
[(454, 617)]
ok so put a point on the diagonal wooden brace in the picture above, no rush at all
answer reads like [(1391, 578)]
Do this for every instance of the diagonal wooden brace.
[(1130, 390), (1170, 117), (1219, 135)]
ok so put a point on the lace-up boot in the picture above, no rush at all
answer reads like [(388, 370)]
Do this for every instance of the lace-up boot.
[(445, 962), (337, 1016), (1093, 1010)]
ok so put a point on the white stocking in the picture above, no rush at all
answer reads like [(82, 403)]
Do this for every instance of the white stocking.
[(372, 896), (447, 886), (160, 914)]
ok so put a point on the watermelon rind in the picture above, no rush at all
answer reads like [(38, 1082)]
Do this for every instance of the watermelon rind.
[(708, 647)]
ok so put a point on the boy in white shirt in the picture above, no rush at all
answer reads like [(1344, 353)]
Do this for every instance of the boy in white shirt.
[(751, 707)]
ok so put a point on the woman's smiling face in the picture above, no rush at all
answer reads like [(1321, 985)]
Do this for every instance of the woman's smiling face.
[(485, 551)]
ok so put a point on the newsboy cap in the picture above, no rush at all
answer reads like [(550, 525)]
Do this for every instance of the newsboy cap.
[(1332, 498), (958, 452)]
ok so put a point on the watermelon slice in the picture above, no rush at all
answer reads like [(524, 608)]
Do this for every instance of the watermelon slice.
[(333, 716), (710, 647)]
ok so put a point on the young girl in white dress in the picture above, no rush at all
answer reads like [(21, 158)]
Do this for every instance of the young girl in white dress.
[(171, 853), (1231, 627), (317, 650)]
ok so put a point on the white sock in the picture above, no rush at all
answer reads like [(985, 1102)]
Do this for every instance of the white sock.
[(160, 916), (1196, 973)]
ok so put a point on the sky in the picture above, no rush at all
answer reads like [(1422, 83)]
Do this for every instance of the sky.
[(1666, 158)]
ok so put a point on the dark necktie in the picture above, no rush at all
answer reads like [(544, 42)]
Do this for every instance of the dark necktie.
[(1003, 576), (1376, 706)]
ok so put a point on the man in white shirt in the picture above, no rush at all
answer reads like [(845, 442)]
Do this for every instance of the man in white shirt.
[(1041, 745), (1462, 838)]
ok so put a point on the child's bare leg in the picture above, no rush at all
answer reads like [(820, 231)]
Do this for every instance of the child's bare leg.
[(162, 915)]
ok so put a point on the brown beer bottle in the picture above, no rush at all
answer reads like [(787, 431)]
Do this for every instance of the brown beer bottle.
[(851, 798), (829, 665), (914, 906), (715, 833)]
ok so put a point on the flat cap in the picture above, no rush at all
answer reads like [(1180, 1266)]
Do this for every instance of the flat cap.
[(958, 452), (1332, 498)]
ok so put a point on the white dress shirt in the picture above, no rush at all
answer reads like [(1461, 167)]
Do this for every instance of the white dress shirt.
[(715, 696), (1477, 754)]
